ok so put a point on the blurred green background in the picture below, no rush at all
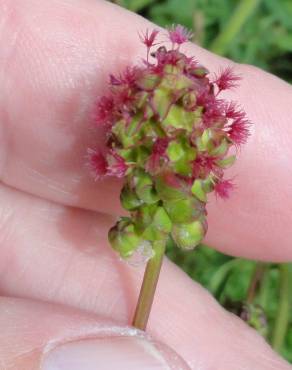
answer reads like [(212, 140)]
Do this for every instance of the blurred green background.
[(257, 32)]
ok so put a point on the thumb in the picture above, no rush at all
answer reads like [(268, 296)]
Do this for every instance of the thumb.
[(47, 337)]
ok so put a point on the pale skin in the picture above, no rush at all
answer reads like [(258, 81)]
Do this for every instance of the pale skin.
[(55, 59)]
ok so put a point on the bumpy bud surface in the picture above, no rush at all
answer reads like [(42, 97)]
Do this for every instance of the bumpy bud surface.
[(168, 135)]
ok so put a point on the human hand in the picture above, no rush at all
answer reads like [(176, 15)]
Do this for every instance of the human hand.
[(55, 61)]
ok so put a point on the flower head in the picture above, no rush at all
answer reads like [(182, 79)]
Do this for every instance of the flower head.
[(168, 137)]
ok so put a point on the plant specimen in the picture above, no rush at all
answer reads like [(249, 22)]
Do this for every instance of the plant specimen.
[(170, 136)]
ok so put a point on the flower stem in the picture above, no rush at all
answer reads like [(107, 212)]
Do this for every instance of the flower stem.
[(258, 274), (242, 12), (282, 318), (264, 289), (148, 288)]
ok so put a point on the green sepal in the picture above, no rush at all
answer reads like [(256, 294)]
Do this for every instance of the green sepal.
[(152, 234), (161, 101), (167, 190), (174, 80), (129, 199), (198, 71), (183, 210), (182, 167), (179, 118), (144, 217), (189, 100), (226, 162), (208, 184), (198, 190), (162, 221), (149, 81), (175, 151), (127, 140), (141, 99), (181, 155), (144, 188), (131, 128), (207, 140), (221, 149)]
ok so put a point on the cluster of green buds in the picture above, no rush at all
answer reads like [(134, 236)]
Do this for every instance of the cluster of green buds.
[(169, 138)]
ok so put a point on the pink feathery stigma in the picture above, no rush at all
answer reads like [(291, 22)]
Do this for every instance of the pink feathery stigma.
[(97, 164), (117, 165), (158, 153), (179, 34), (127, 79), (223, 188), (104, 109), (232, 111), (239, 131), (149, 39), (226, 80)]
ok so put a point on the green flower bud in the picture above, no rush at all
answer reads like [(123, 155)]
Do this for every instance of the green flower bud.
[(123, 237), (145, 188), (162, 100), (175, 151), (184, 210), (168, 187), (179, 118), (188, 236)]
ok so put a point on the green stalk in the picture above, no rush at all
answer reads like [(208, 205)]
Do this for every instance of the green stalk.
[(282, 318), (148, 288), (263, 296), (241, 14), (257, 276)]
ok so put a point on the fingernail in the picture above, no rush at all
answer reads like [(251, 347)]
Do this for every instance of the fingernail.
[(122, 353)]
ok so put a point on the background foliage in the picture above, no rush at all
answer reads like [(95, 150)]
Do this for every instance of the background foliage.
[(257, 32)]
